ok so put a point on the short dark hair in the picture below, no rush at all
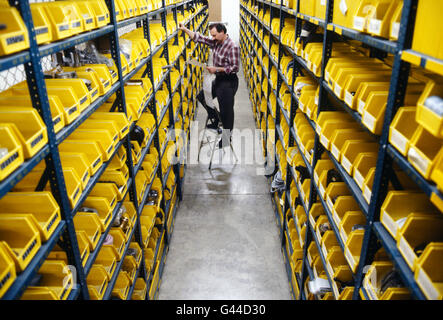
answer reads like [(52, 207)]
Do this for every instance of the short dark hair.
[(219, 26)]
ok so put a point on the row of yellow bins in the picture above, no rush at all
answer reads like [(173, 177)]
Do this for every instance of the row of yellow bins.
[(52, 21), (417, 227), (28, 219), (336, 262), (81, 157), (417, 129)]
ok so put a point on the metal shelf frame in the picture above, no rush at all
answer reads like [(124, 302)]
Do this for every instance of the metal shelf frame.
[(65, 234), (403, 58)]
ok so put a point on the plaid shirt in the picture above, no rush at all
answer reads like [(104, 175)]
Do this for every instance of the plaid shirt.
[(225, 55)]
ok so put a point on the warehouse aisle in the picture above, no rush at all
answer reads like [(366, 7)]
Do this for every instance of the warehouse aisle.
[(225, 243)]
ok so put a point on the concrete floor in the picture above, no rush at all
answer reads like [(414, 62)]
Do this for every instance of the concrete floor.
[(225, 243)]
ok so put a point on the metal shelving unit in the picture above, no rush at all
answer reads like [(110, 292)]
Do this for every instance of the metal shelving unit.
[(253, 32), (65, 234)]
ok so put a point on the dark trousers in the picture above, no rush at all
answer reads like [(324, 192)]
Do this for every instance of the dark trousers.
[(224, 88)]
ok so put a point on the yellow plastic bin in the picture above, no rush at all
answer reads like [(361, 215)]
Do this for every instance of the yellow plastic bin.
[(14, 157), (402, 129), (40, 207), (83, 246), (79, 163), (42, 25), (118, 241), (342, 205), (337, 268), (108, 125), (353, 248), (335, 190), (20, 239), (428, 111), (7, 271), (118, 117), (140, 290), (328, 242), (372, 283), (330, 127), (428, 271), (59, 21), (363, 164), (105, 190), (87, 14), (82, 92), (56, 283), (107, 258), (90, 148), (346, 293), (101, 12), (18, 100), (137, 252), (340, 137), (102, 206), (424, 149), (351, 150), (398, 205), (97, 282), (90, 224), (28, 127), (417, 230), (316, 211), (312, 252), (102, 137), (352, 221), (14, 37), (130, 267), (119, 179)]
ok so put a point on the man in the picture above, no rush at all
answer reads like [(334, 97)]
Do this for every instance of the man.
[(226, 58)]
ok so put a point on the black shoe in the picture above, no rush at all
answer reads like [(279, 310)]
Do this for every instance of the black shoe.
[(212, 125)]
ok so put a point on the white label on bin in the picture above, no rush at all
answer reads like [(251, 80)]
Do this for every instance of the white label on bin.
[(335, 152), (429, 288), (316, 100), (316, 177), (369, 121), (282, 202), (369, 290), (326, 76), (359, 23), (337, 90), (358, 177), (346, 163), (418, 160), (324, 141), (329, 203), (395, 30), (349, 99), (343, 235), (406, 252), (361, 106), (374, 26), (343, 7), (349, 257), (323, 249), (322, 190), (398, 140), (367, 193), (389, 223), (322, 2)]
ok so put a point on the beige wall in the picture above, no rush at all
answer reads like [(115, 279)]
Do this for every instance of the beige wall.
[(215, 10)]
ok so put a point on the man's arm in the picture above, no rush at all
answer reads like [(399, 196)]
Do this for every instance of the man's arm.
[(195, 36)]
